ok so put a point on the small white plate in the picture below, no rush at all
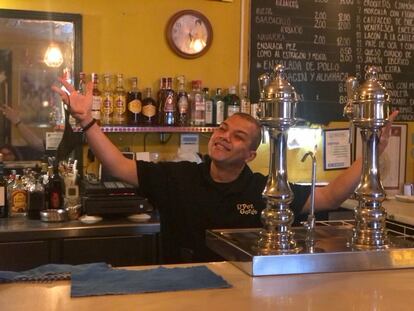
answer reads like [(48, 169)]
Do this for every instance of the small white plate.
[(139, 217), (405, 198), (86, 219)]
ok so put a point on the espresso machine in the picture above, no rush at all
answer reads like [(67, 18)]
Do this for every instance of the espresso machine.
[(278, 248)]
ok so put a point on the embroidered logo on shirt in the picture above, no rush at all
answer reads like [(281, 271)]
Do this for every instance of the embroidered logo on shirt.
[(246, 209)]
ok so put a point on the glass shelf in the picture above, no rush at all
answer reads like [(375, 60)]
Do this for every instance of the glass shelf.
[(155, 129)]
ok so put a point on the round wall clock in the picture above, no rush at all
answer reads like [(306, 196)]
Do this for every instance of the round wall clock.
[(189, 33)]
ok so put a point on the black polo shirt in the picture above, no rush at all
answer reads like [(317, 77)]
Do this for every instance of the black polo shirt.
[(190, 202)]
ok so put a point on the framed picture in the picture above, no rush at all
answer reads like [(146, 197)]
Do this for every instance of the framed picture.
[(393, 160), (336, 149)]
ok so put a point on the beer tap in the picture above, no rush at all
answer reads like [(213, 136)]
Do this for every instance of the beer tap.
[(277, 115), (368, 108)]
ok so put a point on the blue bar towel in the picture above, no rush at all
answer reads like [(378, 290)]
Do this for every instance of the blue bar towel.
[(50, 272), (118, 281)]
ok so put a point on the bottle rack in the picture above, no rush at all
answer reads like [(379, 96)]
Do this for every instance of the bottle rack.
[(154, 129)]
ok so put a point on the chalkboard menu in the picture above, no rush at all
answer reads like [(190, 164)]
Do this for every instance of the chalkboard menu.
[(322, 42)]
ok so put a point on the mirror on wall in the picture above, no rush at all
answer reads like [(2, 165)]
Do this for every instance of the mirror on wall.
[(35, 48)]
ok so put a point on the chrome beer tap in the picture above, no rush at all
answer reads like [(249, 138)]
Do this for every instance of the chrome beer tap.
[(368, 108), (277, 115)]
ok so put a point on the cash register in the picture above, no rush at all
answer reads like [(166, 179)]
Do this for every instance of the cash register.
[(106, 196)]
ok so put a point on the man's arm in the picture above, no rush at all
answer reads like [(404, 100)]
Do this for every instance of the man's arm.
[(338, 190), (107, 153), (28, 134)]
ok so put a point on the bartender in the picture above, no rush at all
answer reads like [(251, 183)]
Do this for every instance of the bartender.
[(221, 192)]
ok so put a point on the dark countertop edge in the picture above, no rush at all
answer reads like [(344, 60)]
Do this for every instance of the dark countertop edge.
[(20, 230)]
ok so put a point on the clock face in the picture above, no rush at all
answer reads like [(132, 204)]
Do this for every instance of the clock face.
[(189, 34)]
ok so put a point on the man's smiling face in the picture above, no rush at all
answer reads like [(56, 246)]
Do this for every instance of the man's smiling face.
[(232, 142)]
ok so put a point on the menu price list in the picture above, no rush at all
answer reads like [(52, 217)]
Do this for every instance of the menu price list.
[(322, 42)]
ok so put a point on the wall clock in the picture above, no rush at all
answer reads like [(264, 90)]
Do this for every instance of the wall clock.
[(189, 33)]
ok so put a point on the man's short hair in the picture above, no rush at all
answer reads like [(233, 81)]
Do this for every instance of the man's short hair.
[(257, 135)]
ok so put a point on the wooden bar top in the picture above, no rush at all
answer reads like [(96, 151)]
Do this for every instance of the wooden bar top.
[(374, 290)]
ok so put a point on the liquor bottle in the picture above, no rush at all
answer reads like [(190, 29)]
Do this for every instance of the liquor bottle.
[(244, 99), (36, 200), (232, 102), (169, 111), (197, 105), (82, 83), (107, 101), (55, 192), (96, 98), (218, 107), (149, 109), (3, 190), (208, 103), (119, 101), (134, 104), (17, 198), (182, 103)]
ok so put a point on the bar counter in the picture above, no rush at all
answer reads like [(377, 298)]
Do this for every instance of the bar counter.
[(375, 290)]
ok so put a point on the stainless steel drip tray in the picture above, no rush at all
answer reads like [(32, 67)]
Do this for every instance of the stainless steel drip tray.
[(332, 253)]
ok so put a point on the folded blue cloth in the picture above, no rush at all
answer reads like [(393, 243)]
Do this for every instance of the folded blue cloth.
[(118, 281), (50, 272)]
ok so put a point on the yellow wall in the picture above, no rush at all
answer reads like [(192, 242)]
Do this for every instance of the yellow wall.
[(127, 36)]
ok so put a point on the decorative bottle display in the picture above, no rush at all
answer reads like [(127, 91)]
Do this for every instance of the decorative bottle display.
[(197, 105), (218, 107), (182, 103), (149, 108), (168, 113), (208, 103), (119, 101), (244, 99), (134, 104), (17, 198), (96, 98), (3, 190), (232, 102), (55, 199), (107, 101)]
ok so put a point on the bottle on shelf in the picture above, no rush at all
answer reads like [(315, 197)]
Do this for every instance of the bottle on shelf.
[(149, 109), (182, 103), (134, 104), (36, 199), (197, 105), (107, 101), (3, 190), (55, 188), (161, 99), (218, 107), (119, 101), (17, 198), (82, 83), (244, 99), (232, 102), (208, 103), (169, 107), (96, 98)]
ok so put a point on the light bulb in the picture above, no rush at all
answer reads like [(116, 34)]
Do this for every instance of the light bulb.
[(53, 56)]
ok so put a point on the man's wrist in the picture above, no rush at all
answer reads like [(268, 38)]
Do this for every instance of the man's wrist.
[(85, 122)]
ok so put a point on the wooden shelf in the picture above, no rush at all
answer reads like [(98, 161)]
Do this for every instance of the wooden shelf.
[(154, 129)]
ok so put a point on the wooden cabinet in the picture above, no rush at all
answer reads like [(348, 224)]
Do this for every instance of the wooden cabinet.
[(26, 244)]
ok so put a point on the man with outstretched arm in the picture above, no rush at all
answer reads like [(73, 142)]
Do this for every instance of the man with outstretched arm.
[(220, 192)]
